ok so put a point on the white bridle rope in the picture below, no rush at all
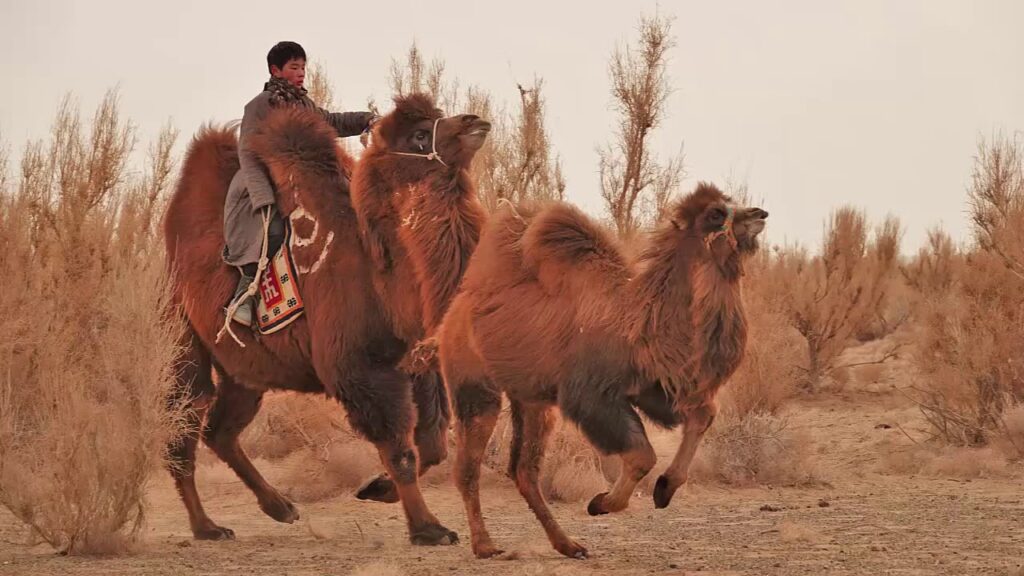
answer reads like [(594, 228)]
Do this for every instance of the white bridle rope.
[(433, 148)]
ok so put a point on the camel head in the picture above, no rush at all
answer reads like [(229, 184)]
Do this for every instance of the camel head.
[(417, 128), (727, 231)]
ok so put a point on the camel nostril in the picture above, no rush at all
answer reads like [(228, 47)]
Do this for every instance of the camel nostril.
[(762, 214), (469, 118)]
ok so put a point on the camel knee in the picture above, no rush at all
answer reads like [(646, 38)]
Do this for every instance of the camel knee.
[(700, 418), (640, 461), (402, 465), (526, 480)]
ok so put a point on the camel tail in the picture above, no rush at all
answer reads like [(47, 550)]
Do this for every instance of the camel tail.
[(564, 236)]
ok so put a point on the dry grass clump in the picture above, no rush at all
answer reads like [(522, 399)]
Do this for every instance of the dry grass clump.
[(86, 349), (318, 454), (757, 448), (572, 470), (946, 461)]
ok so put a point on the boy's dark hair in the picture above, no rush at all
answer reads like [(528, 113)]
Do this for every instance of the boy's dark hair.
[(282, 52)]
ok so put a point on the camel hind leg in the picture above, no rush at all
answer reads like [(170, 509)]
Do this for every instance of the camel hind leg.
[(193, 389), (537, 422), (233, 410)]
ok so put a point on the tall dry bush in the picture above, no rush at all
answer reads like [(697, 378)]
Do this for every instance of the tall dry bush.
[(831, 296), (319, 87), (971, 308), (85, 346), (636, 186), (519, 163)]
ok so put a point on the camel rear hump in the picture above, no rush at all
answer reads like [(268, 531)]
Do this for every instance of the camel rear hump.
[(210, 163), (564, 244)]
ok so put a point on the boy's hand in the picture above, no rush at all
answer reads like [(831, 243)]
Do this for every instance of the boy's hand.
[(364, 138)]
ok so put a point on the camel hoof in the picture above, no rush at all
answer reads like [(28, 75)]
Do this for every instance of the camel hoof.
[(596, 506), (572, 550), (214, 532), (433, 535), (281, 510), (662, 493), (379, 489), (485, 551)]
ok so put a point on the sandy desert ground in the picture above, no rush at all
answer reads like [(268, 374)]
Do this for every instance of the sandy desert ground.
[(962, 516)]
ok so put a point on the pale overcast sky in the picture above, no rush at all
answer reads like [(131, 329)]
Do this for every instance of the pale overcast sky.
[(878, 103)]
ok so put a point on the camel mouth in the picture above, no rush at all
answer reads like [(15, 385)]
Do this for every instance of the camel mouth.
[(479, 128), (756, 226)]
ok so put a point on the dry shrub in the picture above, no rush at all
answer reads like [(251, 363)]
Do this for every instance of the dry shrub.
[(288, 422), (754, 449), (971, 308), (830, 297), (320, 456), (311, 476), (86, 348)]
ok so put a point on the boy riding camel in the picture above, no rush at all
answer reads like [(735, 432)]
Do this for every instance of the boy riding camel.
[(251, 196)]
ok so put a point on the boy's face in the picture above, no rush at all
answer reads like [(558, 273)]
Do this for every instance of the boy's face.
[(294, 71)]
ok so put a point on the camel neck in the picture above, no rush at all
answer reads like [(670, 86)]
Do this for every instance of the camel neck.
[(688, 318), (440, 233)]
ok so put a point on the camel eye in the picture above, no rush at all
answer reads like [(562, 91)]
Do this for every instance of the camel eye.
[(717, 216), (420, 136)]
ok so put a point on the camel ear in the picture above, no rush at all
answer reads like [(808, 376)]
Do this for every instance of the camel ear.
[(679, 224)]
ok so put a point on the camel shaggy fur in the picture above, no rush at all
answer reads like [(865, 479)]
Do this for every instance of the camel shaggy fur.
[(552, 313), (345, 345)]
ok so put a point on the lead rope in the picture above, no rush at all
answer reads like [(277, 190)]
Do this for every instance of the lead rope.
[(433, 148), (250, 291), (725, 230)]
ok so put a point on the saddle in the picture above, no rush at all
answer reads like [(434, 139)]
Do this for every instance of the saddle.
[(278, 302)]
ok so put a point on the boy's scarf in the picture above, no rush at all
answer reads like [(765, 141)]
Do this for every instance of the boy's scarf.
[(284, 92)]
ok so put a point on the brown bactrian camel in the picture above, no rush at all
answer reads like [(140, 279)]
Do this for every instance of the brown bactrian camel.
[(421, 222), (552, 312), (344, 345)]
